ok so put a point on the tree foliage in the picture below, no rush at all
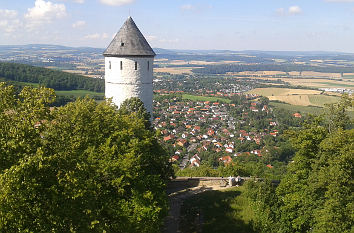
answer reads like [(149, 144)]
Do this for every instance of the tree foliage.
[(78, 168), (316, 194), (55, 79)]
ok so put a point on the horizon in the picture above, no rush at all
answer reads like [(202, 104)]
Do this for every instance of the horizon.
[(178, 50), (296, 26)]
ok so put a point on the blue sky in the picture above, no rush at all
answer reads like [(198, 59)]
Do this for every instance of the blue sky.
[(296, 25)]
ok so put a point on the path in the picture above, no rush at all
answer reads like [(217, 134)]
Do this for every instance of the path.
[(176, 200)]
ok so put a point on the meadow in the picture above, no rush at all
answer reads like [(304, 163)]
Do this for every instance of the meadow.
[(301, 97), (79, 93)]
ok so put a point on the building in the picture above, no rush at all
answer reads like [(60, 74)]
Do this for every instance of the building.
[(129, 66)]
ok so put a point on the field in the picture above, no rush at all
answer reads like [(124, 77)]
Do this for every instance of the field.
[(302, 97), (217, 211), (345, 82), (175, 70), (78, 93), (205, 98), (297, 108)]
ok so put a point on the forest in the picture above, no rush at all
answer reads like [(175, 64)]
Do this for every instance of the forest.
[(49, 78)]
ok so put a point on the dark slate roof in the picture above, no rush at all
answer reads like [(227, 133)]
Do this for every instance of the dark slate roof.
[(129, 41)]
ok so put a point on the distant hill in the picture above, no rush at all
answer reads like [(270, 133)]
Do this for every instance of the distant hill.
[(55, 79)]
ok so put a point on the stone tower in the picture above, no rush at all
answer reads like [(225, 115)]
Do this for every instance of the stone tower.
[(129, 66)]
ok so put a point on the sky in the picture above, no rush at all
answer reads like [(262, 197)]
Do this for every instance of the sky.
[(272, 25)]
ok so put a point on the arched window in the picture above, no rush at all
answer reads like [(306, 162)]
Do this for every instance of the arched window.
[(110, 65), (136, 65), (148, 65), (121, 65)]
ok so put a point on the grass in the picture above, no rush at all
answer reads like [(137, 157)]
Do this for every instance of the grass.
[(304, 109), (320, 100), (205, 98), (217, 211), (78, 93), (298, 108)]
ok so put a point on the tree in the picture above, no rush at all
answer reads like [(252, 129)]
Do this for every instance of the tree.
[(136, 107), (82, 168), (316, 194)]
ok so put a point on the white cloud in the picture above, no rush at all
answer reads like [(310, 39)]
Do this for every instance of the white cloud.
[(44, 12), (79, 1), (198, 8), (79, 24), (117, 2), (9, 21), (10, 14), (295, 10), (96, 36)]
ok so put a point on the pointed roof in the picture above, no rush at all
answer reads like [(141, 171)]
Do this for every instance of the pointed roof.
[(129, 41)]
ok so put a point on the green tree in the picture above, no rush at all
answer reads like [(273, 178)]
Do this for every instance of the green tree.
[(136, 107), (84, 168)]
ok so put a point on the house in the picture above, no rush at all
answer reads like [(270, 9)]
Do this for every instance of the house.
[(229, 150), (226, 159), (182, 142), (174, 158), (297, 115), (195, 161), (169, 137)]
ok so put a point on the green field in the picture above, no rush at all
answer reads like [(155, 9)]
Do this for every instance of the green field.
[(217, 211), (298, 108), (205, 98), (304, 109), (321, 100), (79, 93)]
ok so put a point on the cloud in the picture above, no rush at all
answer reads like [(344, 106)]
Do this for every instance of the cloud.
[(295, 10), (10, 14), (9, 21), (116, 2), (44, 12), (79, 24), (199, 8), (96, 36)]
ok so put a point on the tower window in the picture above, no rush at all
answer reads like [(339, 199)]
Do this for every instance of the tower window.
[(122, 44), (110, 65), (148, 65), (121, 65), (136, 65)]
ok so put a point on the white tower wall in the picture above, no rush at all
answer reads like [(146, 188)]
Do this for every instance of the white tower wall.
[(127, 77)]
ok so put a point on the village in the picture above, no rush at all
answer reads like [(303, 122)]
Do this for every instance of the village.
[(218, 131)]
